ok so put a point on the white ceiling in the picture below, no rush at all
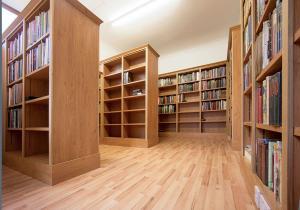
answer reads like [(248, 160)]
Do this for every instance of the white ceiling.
[(170, 26)]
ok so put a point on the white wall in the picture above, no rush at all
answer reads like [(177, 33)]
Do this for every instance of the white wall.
[(199, 54)]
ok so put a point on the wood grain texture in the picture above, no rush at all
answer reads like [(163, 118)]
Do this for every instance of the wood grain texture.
[(175, 174)]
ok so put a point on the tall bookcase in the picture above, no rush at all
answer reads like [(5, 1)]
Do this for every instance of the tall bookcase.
[(182, 102), (268, 76), (51, 124), (129, 98)]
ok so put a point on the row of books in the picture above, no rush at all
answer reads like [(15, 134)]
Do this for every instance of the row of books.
[(37, 27), (214, 105), (15, 47), (217, 83), (15, 94), (188, 87), (269, 101), (15, 118), (166, 81), (127, 77), (167, 109), (38, 56), (211, 73), (213, 94), (248, 35), (246, 7), (181, 98), (167, 99), (15, 70), (268, 163), (247, 74), (189, 77), (269, 41)]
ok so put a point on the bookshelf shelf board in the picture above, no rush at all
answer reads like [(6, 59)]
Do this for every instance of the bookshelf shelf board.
[(133, 97), (112, 112), (37, 41), (189, 92), (45, 129), (113, 75), (166, 104), (219, 88), (15, 58), (248, 54), (189, 102), (14, 106), (134, 110), (41, 73), (192, 121), (248, 124), (268, 9), (139, 82), (297, 36), (167, 113), (137, 68), (114, 87), (14, 129), (213, 121), (134, 124), (116, 124), (167, 122), (273, 67), (192, 111), (112, 99), (41, 158), (167, 86), (213, 78), (15, 82), (40, 100), (221, 110), (216, 99), (276, 129), (182, 83), (167, 94), (297, 131), (248, 90)]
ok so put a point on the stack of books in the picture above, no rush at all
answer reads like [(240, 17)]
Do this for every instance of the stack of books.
[(15, 94), (269, 101), (189, 77), (166, 82), (214, 105), (188, 87), (212, 73), (15, 118), (38, 56), (268, 163), (211, 84), (38, 27), (15, 71), (213, 94), (15, 47)]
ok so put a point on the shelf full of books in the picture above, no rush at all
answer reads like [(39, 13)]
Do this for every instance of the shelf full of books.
[(200, 101)]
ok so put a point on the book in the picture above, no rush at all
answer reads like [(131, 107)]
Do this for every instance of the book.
[(166, 81), (127, 77), (189, 77), (212, 73), (214, 105), (275, 99), (15, 94), (248, 74), (38, 27), (15, 118), (167, 99), (188, 87), (167, 109), (213, 94), (211, 84), (15, 47), (15, 71)]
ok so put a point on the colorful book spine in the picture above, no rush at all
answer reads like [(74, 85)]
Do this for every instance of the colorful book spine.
[(212, 73), (38, 27), (167, 99), (213, 94), (214, 105), (15, 118), (166, 82), (15, 71), (15, 94), (15, 47), (188, 87), (212, 84), (167, 109), (189, 77)]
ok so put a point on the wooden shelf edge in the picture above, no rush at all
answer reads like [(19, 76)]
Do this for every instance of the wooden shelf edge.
[(271, 68), (221, 110), (112, 75), (213, 121), (15, 58), (37, 41), (134, 110), (189, 92), (297, 131), (167, 86), (133, 97), (37, 71), (37, 129), (112, 87), (297, 36), (248, 90), (217, 99), (14, 106), (268, 9), (14, 129), (134, 83), (213, 78), (219, 88), (136, 67), (248, 54), (15, 82), (182, 122), (276, 129), (248, 124), (38, 100), (182, 83), (134, 124), (167, 122), (188, 102)]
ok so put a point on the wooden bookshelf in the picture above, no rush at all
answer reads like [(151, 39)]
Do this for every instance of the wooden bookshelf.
[(252, 129), (188, 117), (50, 144), (126, 117)]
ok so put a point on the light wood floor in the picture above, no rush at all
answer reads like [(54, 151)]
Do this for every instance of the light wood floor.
[(176, 174)]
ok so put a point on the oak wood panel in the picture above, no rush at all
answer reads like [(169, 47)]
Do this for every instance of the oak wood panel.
[(175, 174)]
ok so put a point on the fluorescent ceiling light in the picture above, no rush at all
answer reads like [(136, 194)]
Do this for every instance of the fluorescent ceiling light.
[(7, 18), (142, 9)]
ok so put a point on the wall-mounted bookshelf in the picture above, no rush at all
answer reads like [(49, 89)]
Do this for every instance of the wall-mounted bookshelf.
[(264, 108), (43, 96), (193, 100), (127, 95)]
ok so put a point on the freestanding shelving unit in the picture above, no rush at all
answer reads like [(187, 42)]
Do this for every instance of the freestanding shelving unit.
[(129, 98), (51, 122), (184, 113)]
